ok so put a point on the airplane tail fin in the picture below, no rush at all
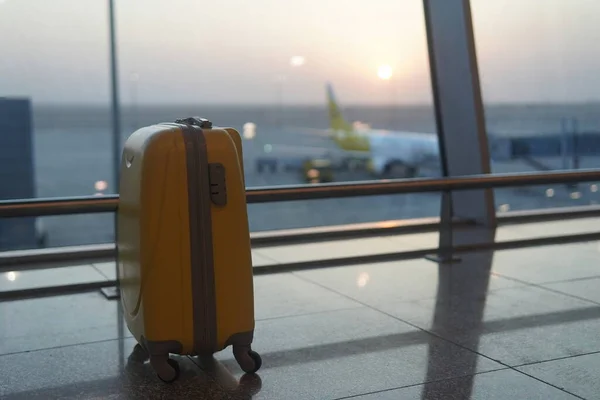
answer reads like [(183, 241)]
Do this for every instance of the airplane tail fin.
[(343, 133), (336, 120)]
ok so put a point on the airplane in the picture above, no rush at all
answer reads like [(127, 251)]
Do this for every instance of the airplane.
[(403, 154), (397, 154), (388, 154)]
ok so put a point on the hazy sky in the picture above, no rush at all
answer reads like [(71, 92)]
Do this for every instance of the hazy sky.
[(233, 51)]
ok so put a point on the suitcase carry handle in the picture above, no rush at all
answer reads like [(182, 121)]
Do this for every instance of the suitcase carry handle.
[(196, 121)]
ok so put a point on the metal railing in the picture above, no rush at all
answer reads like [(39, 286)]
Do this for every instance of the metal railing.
[(102, 204)]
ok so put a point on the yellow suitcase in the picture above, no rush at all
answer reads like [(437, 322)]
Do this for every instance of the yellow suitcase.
[(183, 244)]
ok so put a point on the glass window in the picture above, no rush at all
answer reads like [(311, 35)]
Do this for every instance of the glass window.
[(322, 91), (54, 116), (315, 87), (538, 63)]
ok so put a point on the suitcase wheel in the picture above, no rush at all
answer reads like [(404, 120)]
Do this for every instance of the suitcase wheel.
[(166, 369), (248, 359), (257, 361)]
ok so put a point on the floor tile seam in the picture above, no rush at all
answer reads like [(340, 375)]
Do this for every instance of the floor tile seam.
[(308, 314), (434, 297), (320, 286), (78, 331), (556, 359), (269, 258), (573, 296), (100, 272), (65, 346), (521, 281), (490, 291), (502, 275), (585, 278), (541, 286), (420, 384), (548, 383)]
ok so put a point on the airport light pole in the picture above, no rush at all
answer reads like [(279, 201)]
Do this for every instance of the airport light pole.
[(116, 115), (113, 292)]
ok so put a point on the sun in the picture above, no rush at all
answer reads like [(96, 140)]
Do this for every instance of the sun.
[(384, 72), (297, 61)]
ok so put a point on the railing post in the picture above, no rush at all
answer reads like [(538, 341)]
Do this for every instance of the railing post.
[(575, 138), (459, 116), (446, 244)]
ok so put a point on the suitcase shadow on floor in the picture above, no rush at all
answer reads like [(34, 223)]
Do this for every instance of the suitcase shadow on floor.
[(199, 378)]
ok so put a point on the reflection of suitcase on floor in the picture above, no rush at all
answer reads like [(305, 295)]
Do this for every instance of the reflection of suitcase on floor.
[(185, 265)]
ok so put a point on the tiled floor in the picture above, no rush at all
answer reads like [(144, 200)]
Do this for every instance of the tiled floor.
[(514, 324)]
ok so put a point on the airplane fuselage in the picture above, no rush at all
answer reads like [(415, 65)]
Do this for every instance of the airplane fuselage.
[(386, 148)]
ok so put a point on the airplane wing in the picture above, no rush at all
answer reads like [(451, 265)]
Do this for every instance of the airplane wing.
[(302, 130), (310, 151)]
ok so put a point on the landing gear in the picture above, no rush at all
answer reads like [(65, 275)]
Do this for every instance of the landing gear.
[(398, 170)]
